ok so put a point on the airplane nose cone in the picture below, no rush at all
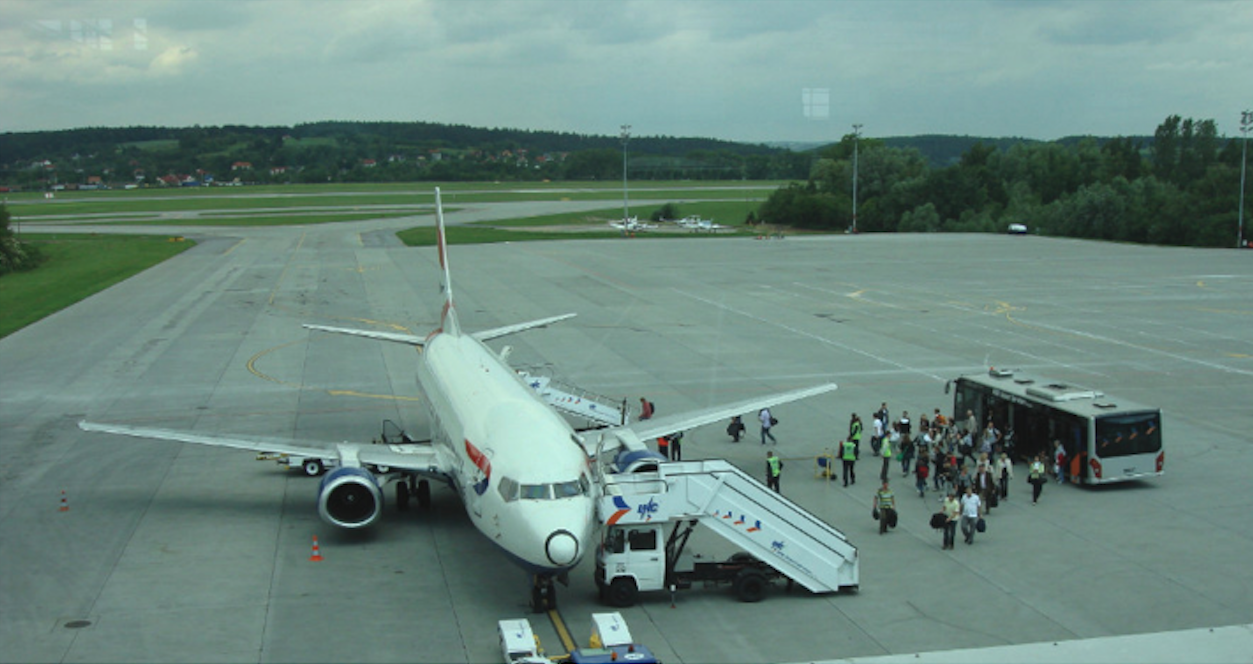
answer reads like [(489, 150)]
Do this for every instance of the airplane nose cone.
[(562, 548)]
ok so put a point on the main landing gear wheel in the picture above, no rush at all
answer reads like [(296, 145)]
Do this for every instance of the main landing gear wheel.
[(313, 467), (424, 494), (402, 495)]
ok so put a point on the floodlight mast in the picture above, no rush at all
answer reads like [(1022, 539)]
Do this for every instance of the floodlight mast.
[(1246, 122), (626, 209), (856, 135)]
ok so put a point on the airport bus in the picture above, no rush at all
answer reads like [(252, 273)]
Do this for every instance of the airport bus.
[(1106, 439)]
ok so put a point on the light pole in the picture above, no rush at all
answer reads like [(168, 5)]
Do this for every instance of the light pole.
[(1246, 121), (856, 135), (626, 210)]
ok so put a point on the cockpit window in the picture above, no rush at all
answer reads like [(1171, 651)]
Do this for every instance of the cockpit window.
[(508, 489), (511, 490), (536, 491)]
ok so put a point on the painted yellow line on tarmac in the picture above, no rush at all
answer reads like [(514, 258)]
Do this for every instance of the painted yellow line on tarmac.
[(252, 365), (559, 624), (367, 395)]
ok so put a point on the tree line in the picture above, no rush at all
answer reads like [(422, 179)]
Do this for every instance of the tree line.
[(373, 152), (1182, 188)]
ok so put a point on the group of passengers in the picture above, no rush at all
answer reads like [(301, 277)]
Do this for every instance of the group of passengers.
[(967, 464)]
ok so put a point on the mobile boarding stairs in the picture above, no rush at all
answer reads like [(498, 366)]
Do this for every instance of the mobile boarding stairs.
[(742, 510)]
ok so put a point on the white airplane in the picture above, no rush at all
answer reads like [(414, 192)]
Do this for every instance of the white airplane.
[(698, 224), (631, 224), (528, 480)]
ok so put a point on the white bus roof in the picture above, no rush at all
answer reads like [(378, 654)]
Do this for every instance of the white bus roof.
[(1066, 397)]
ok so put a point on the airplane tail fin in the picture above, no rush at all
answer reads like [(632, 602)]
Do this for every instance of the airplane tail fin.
[(448, 318)]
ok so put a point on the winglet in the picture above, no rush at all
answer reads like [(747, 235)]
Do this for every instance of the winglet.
[(448, 318)]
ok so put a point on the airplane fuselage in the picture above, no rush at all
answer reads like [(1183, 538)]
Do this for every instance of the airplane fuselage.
[(523, 476)]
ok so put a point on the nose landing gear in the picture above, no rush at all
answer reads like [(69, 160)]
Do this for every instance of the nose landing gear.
[(543, 594)]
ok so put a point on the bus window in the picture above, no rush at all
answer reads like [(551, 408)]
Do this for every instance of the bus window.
[(1124, 435)]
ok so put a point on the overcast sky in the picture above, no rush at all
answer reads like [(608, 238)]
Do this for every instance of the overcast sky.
[(730, 69)]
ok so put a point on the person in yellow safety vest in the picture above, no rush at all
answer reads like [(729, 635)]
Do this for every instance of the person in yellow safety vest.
[(854, 432), (849, 456), (886, 452), (774, 468)]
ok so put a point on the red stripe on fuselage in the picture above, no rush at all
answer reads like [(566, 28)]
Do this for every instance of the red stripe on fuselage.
[(479, 459)]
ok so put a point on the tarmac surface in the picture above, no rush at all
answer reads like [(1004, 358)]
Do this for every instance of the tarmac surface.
[(169, 553)]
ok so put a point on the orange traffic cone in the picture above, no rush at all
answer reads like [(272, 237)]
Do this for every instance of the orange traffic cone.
[(317, 553), (65, 507)]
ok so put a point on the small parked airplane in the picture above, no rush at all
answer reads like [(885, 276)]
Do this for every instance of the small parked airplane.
[(631, 224), (528, 480), (698, 224)]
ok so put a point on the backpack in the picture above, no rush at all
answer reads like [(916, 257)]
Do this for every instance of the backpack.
[(923, 471)]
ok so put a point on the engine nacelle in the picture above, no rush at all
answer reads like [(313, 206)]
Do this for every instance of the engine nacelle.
[(350, 498), (637, 461)]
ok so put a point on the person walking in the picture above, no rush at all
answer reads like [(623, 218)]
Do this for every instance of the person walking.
[(921, 470), (886, 451), (774, 469), (985, 486), (885, 505), (676, 446), (1005, 472), (646, 409), (952, 512), (767, 421), (848, 454), (854, 432), (1059, 461), (1036, 477), (736, 428), (972, 509)]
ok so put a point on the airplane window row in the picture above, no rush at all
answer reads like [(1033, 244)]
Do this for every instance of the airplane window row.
[(511, 490)]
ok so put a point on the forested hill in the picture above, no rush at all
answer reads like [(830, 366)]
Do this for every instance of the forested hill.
[(407, 151), (372, 151)]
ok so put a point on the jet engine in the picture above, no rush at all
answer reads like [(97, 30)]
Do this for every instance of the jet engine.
[(350, 498)]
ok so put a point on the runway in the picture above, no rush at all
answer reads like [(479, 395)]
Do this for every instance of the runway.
[(172, 553)]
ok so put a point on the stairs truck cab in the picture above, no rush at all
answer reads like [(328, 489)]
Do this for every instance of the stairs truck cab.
[(649, 516)]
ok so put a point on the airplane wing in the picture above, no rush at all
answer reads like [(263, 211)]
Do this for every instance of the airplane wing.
[(660, 426), (413, 340), (395, 337), (415, 457), (485, 335)]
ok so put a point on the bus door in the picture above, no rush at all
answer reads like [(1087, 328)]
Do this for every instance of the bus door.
[(1031, 433)]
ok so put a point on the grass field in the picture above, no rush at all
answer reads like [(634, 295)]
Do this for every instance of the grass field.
[(30, 206), (78, 266)]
